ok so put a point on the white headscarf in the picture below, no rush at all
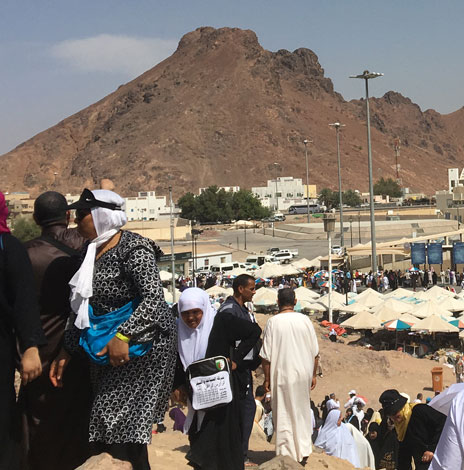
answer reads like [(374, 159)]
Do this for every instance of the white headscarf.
[(107, 223), (192, 342)]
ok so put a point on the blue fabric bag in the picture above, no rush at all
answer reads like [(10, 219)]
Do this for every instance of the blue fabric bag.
[(102, 330)]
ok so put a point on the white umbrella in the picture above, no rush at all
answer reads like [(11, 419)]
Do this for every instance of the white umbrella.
[(168, 295), (369, 292), (428, 308), (451, 304), (370, 300), (334, 304), (399, 293), (386, 314), (353, 308), (308, 306), (303, 293), (236, 272), (437, 291), (362, 321), (408, 318), (268, 270), (265, 296), (306, 263), (393, 305), (434, 324), (289, 269), (217, 290)]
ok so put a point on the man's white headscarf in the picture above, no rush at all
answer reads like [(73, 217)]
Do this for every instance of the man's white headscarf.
[(107, 223), (192, 342)]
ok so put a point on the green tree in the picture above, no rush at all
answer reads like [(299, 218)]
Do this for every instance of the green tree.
[(328, 198), (247, 206), (387, 187), (351, 198), (188, 205), (25, 229)]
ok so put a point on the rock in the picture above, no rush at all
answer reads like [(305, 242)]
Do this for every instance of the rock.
[(281, 462), (104, 462)]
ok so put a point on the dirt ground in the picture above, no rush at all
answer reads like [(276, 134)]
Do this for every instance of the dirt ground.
[(344, 367)]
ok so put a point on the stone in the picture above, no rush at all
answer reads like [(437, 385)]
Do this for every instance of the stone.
[(281, 462), (104, 462)]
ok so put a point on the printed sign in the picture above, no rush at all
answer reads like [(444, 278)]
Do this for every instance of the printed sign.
[(417, 253), (435, 253), (211, 390), (458, 253)]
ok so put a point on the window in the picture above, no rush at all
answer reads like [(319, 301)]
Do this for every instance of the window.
[(206, 262), (223, 259)]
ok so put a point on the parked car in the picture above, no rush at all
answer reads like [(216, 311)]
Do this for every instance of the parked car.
[(282, 258), (272, 251), (337, 250), (293, 252)]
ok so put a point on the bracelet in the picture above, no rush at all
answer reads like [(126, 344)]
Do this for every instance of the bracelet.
[(122, 337)]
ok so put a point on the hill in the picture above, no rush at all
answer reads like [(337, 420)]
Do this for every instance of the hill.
[(221, 110)]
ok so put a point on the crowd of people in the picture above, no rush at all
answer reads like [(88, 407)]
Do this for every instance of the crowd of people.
[(100, 354)]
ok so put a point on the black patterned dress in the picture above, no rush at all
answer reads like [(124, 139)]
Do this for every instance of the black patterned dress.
[(130, 398)]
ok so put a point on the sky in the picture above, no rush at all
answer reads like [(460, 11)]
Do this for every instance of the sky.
[(59, 56)]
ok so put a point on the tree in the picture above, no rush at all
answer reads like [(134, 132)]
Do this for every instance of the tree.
[(188, 204), (217, 205), (351, 198), (25, 229), (387, 187), (328, 198)]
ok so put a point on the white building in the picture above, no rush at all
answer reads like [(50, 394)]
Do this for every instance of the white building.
[(283, 192), (455, 178), (147, 206), (227, 189)]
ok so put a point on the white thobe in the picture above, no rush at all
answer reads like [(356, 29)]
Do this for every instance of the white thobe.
[(290, 345), (449, 454)]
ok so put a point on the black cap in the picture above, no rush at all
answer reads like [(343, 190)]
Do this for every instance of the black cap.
[(89, 201), (50, 207), (392, 402)]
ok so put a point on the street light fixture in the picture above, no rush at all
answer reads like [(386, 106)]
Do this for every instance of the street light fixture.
[(329, 227), (366, 76), (306, 142), (337, 126)]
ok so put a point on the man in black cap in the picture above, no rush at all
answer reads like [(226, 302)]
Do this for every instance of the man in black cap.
[(418, 428), (54, 419)]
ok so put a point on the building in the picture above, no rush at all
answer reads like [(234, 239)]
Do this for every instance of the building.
[(227, 189), (283, 192), (148, 206), (455, 178)]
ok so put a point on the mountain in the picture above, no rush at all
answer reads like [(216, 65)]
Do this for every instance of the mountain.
[(221, 110)]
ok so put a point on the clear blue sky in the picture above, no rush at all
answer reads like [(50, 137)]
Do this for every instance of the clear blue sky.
[(58, 56)]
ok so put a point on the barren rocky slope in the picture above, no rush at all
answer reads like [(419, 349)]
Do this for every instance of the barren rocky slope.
[(221, 110)]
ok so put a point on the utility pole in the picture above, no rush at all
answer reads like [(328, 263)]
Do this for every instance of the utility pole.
[(173, 257), (397, 156)]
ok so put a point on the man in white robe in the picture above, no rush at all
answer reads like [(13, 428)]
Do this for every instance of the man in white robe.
[(290, 357), (449, 454)]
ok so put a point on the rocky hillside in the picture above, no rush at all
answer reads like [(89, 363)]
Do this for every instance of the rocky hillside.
[(221, 110)]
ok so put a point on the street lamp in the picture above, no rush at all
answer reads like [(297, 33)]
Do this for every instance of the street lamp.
[(277, 199), (306, 142), (173, 265), (329, 227), (351, 231), (366, 76), (337, 126)]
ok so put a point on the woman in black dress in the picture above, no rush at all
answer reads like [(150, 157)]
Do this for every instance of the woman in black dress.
[(130, 389), (215, 436)]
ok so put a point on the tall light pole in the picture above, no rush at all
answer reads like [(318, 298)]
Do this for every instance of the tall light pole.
[(276, 197), (173, 256), (306, 142), (366, 76), (329, 227), (337, 126)]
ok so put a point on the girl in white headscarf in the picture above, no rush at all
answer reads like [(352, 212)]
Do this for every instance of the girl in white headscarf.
[(215, 435), (118, 283)]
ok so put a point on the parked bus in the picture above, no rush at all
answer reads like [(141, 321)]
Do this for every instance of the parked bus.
[(303, 209)]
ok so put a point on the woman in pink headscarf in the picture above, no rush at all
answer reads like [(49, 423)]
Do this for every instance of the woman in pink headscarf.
[(19, 321)]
